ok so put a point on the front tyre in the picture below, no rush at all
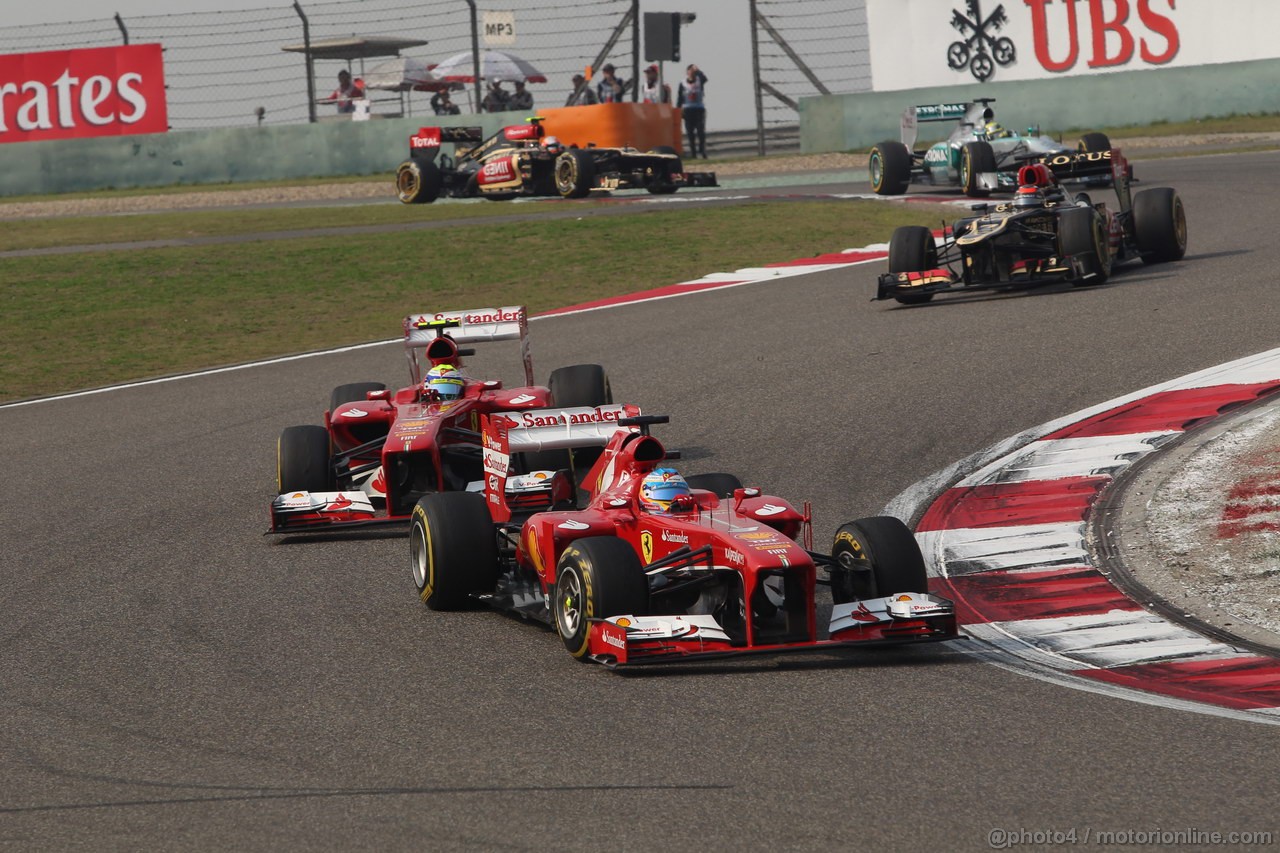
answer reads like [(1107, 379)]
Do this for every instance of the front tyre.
[(976, 158), (1081, 233), (889, 166), (1160, 225), (302, 460), (876, 557), (912, 249), (453, 551), (418, 182), (596, 577)]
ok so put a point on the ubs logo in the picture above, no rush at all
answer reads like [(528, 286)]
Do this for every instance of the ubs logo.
[(973, 50)]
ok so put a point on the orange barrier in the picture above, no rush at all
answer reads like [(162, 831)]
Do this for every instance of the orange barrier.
[(642, 126)]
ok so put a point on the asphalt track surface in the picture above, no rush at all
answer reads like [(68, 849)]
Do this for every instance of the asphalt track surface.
[(175, 680)]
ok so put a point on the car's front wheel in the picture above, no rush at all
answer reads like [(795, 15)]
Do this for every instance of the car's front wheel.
[(875, 557), (418, 182), (596, 577), (575, 173), (1081, 234)]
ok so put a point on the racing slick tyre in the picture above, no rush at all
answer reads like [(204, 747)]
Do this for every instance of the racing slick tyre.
[(912, 249), (418, 182), (575, 173), (1160, 225), (302, 460), (352, 392), (889, 166), (675, 167), (720, 485), (1081, 233), (877, 556), (571, 387), (453, 551), (1094, 142), (596, 577), (976, 158)]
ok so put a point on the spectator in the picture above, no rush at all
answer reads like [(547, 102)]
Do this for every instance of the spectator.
[(690, 99), (653, 92), (581, 95), (495, 100), (443, 104), (520, 99), (610, 89), (347, 93)]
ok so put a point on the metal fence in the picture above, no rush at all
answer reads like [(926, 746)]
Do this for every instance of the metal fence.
[(220, 67)]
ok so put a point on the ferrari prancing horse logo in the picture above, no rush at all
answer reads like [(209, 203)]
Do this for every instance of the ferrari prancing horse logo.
[(646, 546)]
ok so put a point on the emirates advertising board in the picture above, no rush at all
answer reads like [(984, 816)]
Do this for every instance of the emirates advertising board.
[(925, 43), (99, 91)]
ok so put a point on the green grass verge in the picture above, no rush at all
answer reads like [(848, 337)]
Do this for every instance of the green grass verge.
[(73, 321)]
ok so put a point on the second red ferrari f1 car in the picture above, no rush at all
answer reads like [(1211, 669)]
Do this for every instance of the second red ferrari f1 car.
[(522, 160), (653, 568)]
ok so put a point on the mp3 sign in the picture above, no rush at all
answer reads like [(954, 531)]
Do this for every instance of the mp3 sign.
[(924, 43), (101, 91)]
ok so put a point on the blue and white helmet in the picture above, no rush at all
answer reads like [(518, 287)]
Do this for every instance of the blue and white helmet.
[(661, 487), (445, 381)]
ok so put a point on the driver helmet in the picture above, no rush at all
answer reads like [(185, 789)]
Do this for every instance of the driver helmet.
[(995, 130), (1028, 196), (660, 488), (552, 144), (445, 381)]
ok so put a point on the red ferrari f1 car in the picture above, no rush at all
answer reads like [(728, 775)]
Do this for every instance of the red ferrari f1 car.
[(379, 451), (521, 160), (650, 568)]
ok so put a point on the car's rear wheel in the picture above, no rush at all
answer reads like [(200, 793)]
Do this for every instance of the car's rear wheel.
[(720, 485), (453, 551), (571, 387), (975, 159), (353, 392), (1094, 142), (575, 173), (889, 166), (418, 181), (912, 249), (876, 557), (1160, 225), (1081, 233), (596, 577), (302, 460)]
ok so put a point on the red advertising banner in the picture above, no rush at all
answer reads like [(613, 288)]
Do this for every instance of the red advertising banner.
[(100, 91)]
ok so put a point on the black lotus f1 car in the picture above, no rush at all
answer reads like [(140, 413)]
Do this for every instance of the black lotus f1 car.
[(1042, 235), (522, 160)]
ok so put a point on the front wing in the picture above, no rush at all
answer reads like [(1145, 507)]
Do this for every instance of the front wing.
[(627, 641)]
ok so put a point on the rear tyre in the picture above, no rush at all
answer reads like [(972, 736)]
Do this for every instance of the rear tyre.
[(596, 577), (418, 182), (302, 460), (912, 249), (720, 485), (1080, 232), (877, 556), (889, 166), (976, 158), (575, 173), (353, 392), (571, 387), (453, 552), (1160, 225), (1094, 142)]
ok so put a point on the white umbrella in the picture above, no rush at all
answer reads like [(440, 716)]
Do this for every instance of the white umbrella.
[(494, 65), (402, 74)]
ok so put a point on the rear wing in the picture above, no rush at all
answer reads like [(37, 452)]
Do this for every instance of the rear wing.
[(463, 327), (502, 434), (426, 141), (973, 112)]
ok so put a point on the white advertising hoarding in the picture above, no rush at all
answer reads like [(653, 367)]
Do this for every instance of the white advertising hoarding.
[(924, 43)]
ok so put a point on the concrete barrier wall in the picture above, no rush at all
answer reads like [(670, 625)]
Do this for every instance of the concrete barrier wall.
[(856, 122)]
